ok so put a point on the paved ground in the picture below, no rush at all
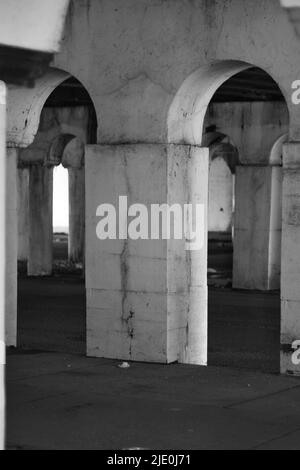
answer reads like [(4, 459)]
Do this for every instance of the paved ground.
[(243, 327), (51, 313), (63, 401), (58, 399)]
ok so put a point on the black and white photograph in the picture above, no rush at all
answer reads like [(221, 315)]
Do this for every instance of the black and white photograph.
[(150, 228)]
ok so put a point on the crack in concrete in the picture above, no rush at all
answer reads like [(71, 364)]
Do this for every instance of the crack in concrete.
[(261, 397), (126, 319), (274, 439)]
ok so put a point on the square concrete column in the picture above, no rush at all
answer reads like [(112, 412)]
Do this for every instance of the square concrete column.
[(257, 227), (40, 220), (147, 297), (76, 214), (23, 216), (3, 238), (290, 267), (11, 248)]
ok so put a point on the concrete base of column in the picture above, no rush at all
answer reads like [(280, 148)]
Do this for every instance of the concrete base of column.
[(40, 221)]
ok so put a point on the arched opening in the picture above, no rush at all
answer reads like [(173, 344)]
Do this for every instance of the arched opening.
[(235, 109), (51, 290), (223, 159), (67, 154)]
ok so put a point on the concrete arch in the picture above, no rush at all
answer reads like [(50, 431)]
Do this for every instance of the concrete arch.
[(186, 116), (68, 150), (24, 107), (57, 148), (210, 138), (73, 154), (254, 187), (57, 127), (187, 111), (220, 145), (228, 152), (276, 151)]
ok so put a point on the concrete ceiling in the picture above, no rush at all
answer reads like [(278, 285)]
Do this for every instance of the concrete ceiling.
[(251, 85)]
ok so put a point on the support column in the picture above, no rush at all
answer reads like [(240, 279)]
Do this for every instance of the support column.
[(2, 256), (11, 248), (40, 220), (23, 216), (220, 200), (290, 271), (146, 298), (257, 227), (76, 214)]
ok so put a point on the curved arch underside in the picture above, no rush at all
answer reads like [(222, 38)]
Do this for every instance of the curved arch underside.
[(186, 117), (24, 108)]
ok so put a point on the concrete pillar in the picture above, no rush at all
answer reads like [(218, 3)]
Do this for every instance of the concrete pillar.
[(220, 200), (40, 220), (3, 232), (76, 214), (257, 227), (146, 298), (11, 247), (23, 216), (290, 267)]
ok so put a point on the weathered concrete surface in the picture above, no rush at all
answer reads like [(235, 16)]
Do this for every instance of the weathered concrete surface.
[(220, 197), (60, 138), (11, 248), (3, 246), (143, 52), (40, 220), (28, 33), (253, 128), (146, 299), (62, 401), (73, 160), (257, 228), (290, 269), (76, 214), (292, 8), (134, 74), (153, 71), (25, 105), (23, 214), (53, 126)]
